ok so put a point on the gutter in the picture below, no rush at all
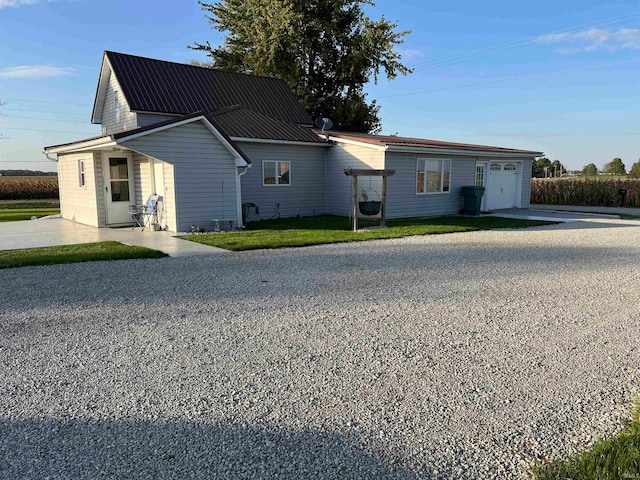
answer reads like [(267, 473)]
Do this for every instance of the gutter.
[(239, 193)]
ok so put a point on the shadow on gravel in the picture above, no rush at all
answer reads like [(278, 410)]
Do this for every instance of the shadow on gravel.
[(120, 449)]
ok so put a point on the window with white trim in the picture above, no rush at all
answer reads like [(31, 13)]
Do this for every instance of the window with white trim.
[(510, 167), (496, 167), (276, 173), (81, 174), (116, 106), (433, 175)]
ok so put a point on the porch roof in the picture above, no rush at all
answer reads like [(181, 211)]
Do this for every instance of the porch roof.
[(117, 138)]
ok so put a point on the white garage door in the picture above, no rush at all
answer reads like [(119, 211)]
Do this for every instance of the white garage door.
[(502, 185)]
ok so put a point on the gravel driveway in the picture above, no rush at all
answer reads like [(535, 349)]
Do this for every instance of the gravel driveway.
[(455, 356)]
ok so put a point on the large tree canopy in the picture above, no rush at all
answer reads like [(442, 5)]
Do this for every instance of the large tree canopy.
[(590, 170), (325, 50)]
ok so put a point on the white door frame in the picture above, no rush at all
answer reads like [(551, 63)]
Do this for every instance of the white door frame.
[(485, 177), (107, 186)]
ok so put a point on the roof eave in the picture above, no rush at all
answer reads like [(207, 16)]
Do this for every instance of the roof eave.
[(82, 146), (462, 152)]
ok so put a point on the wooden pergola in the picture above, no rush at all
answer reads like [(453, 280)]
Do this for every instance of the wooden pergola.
[(354, 173)]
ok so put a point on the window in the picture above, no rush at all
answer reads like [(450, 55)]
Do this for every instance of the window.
[(480, 175), (510, 167), (433, 176), (276, 173), (495, 167), (81, 175), (116, 105)]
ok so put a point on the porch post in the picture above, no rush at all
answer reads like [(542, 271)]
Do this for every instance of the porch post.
[(383, 208), (354, 206)]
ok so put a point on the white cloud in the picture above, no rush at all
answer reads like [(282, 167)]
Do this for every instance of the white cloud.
[(19, 3), (35, 71), (595, 39), (408, 53)]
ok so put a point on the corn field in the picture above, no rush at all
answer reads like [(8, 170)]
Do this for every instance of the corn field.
[(590, 191), (28, 188)]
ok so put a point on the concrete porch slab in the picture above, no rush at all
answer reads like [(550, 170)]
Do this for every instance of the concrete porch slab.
[(49, 232)]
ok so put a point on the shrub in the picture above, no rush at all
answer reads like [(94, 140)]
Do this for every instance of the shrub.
[(592, 191), (28, 188)]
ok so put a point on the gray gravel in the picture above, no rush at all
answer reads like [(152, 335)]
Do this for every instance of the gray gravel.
[(456, 356)]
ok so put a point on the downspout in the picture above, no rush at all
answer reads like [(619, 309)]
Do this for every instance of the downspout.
[(239, 193), (49, 158)]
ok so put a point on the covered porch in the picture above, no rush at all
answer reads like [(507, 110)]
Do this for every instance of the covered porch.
[(186, 162)]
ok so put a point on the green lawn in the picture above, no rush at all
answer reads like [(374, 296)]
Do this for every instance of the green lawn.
[(330, 229), (609, 459), (13, 212), (84, 252)]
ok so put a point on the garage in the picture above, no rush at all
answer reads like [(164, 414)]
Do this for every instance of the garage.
[(502, 185)]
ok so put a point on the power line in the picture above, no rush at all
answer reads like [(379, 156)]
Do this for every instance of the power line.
[(46, 101), (506, 79), (47, 119), (44, 130), (479, 53), (42, 111)]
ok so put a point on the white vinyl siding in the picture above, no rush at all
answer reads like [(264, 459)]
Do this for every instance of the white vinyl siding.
[(339, 185), (127, 118), (305, 196), (200, 182), (402, 200), (142, 177), (78, 204), (146, 119)]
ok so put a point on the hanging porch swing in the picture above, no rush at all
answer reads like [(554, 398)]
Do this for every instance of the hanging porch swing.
[(362, 203)]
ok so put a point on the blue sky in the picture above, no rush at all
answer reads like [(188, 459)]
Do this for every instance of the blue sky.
[(556, 76)]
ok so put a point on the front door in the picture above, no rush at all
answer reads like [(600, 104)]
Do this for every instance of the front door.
[(119, 188)]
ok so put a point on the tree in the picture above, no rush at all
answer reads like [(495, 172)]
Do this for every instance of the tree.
[(590, 170), (541, 167), (615, 167), (557, 169), (635, 169), (327, 51)]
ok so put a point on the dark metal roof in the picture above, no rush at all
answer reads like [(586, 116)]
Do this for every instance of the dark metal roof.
[(246, 123), (385, 140), (151, 85)]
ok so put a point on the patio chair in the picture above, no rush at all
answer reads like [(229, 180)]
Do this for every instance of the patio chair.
[(147, 214)]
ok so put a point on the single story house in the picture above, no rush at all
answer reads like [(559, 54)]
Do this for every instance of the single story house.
[(216, 145)]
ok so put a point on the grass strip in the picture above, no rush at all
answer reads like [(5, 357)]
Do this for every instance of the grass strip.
[(331, 229), (13, 214), (84, 252), (617, 457)]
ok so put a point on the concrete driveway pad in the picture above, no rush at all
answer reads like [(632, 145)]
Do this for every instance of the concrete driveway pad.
[(49, 232), (469, 355)]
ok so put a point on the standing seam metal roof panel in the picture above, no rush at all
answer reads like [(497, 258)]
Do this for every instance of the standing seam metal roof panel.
[(165, 87)]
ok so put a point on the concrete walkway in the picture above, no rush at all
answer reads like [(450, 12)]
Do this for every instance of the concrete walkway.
[(49, 232), (533, 213), (586, 209)]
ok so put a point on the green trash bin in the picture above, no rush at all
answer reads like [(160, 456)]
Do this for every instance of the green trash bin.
[(472, 200)]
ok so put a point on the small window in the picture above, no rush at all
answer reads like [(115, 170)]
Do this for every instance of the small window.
[(510, 167), (81, 174), (116, 105), (479, 175), (495, 167), (433, 176), (276, 173)]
